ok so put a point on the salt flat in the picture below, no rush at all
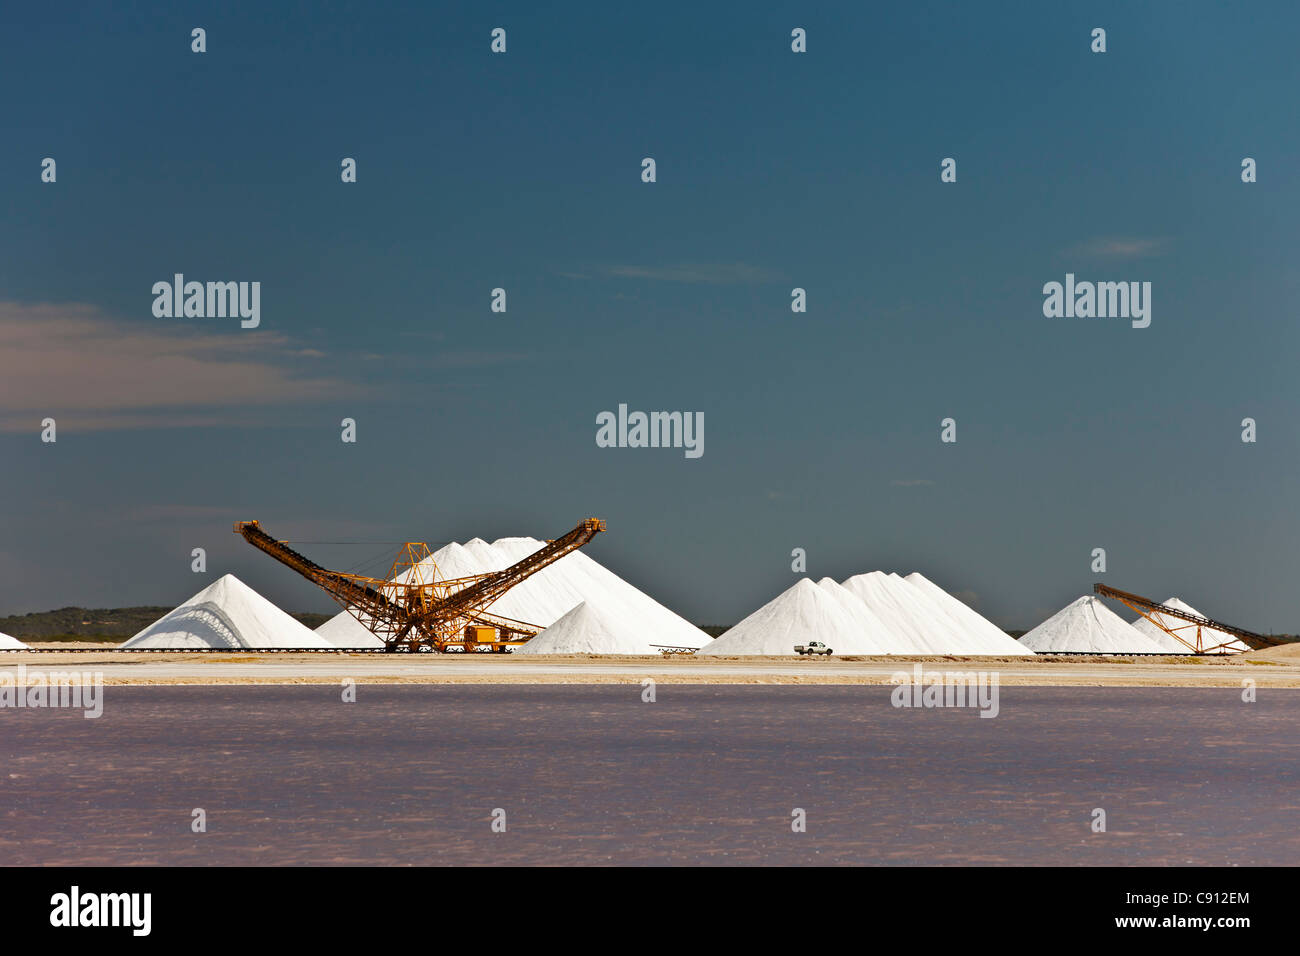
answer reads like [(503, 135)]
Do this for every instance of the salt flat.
[(249, 667)]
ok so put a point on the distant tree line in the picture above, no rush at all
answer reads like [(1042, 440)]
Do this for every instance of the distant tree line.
[(98, 624)]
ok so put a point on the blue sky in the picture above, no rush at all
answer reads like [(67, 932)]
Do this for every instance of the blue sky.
[(775, 170)]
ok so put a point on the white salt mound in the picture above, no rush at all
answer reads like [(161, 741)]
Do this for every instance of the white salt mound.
[(453, 561), (588, 630), (227, 613), (872, 628), (484, 557), (993, 640), (930, 616), (1187, 631), (904, 615), (545, 597), (800, 615), (869, 614), (8, 643), (344, 630), (1088, 625)]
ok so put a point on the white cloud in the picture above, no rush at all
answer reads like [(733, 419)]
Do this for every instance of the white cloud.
[(733, 273), (91, 372), (1119, 247)]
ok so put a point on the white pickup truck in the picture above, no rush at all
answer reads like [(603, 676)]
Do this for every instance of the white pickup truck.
[(813, 647)]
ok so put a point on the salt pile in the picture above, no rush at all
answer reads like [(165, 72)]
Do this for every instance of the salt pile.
[(872, 613), (928, 619), (588, 630), (343, 630), (1088, 625), (800, 615), (227, 613), (546, 596), (992, 637), (8, 643), (866, 621), (936, 618), (875, 591), (1187, 631), (906, 614)]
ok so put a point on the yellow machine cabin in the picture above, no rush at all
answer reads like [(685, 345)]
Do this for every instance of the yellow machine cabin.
[(479, 634)]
